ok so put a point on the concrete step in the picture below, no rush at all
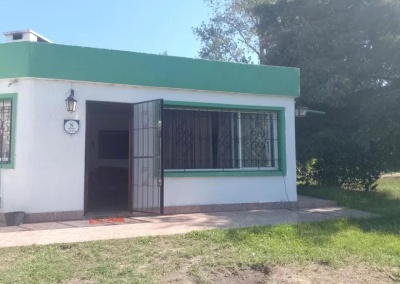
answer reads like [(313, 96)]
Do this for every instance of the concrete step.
[(311, 202)]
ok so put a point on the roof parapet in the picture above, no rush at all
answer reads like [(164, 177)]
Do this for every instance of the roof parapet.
[(24, 35)]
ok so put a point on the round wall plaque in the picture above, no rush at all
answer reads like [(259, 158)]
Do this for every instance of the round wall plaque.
[(71, 126)]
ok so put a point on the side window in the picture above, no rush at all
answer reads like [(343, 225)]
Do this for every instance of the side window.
[(8, 113), (6, 108)]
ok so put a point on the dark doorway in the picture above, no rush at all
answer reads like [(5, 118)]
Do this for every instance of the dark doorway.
[(107, 157)]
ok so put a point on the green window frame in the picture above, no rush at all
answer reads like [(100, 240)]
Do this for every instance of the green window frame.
[(12, 97), (280, 171)]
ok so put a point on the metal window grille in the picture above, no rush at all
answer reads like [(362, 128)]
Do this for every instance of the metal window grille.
[(5, 131), (220, 139)]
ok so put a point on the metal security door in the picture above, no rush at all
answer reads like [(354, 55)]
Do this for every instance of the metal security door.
[(147, 173)]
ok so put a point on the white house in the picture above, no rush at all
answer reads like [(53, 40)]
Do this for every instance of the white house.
[(150, 133)]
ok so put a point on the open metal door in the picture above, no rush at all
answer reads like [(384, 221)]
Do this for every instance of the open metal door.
[(147, 172)]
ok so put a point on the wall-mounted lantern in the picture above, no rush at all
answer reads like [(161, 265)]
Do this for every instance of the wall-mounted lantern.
[(71, 102), (301, 111)]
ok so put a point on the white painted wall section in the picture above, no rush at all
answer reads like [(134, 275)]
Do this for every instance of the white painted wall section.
[(226, 190), (50, 164)]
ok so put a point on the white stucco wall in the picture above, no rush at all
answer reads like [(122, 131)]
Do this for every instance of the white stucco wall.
[(49, 164), (227, 190)]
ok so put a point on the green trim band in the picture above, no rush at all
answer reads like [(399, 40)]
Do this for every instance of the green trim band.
[(219, 106), (53, 61), (223, 174), (281, 138), (282, 141), (13, 98)]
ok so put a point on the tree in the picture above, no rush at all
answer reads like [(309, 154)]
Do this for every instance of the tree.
[(231, 34), (349, 55), (343, 47), (348, 52)]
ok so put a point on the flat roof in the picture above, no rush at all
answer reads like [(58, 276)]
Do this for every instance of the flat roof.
[(64, 62)]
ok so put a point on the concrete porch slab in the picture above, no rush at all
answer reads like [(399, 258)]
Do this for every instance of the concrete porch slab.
[(82, 231), (311, 202)]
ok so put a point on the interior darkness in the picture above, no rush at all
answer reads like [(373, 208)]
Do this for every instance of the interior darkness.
[(107, 158)]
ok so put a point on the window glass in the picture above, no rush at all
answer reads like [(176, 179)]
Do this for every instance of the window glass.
[(5, 131), (258, 141), (198, 139), (209, 139)]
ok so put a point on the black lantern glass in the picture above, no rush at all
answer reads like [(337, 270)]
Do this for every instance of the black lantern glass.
[(71, 102)]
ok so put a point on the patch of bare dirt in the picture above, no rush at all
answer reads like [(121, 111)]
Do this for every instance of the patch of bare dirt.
[(246, 276), (318, 273), (78, 281), (296, 274)]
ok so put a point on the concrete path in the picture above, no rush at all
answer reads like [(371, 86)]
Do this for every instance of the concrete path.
[(389, 175), (81, 231)]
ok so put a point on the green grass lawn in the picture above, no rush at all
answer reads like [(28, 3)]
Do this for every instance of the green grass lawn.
[(385, 201), (195, 256)]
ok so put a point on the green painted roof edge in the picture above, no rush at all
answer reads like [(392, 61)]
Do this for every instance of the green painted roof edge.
[(54, 61)]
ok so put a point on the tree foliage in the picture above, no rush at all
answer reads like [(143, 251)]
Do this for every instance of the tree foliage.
[(343, 47), (348, 52), (232, 33)]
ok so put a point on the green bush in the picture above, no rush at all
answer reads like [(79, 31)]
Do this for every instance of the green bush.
[(341, 163)]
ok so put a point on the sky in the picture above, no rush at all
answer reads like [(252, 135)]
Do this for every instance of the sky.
[(149, 26)]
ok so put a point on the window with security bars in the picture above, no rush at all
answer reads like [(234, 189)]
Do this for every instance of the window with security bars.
[(5, 131), (220, 139)]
